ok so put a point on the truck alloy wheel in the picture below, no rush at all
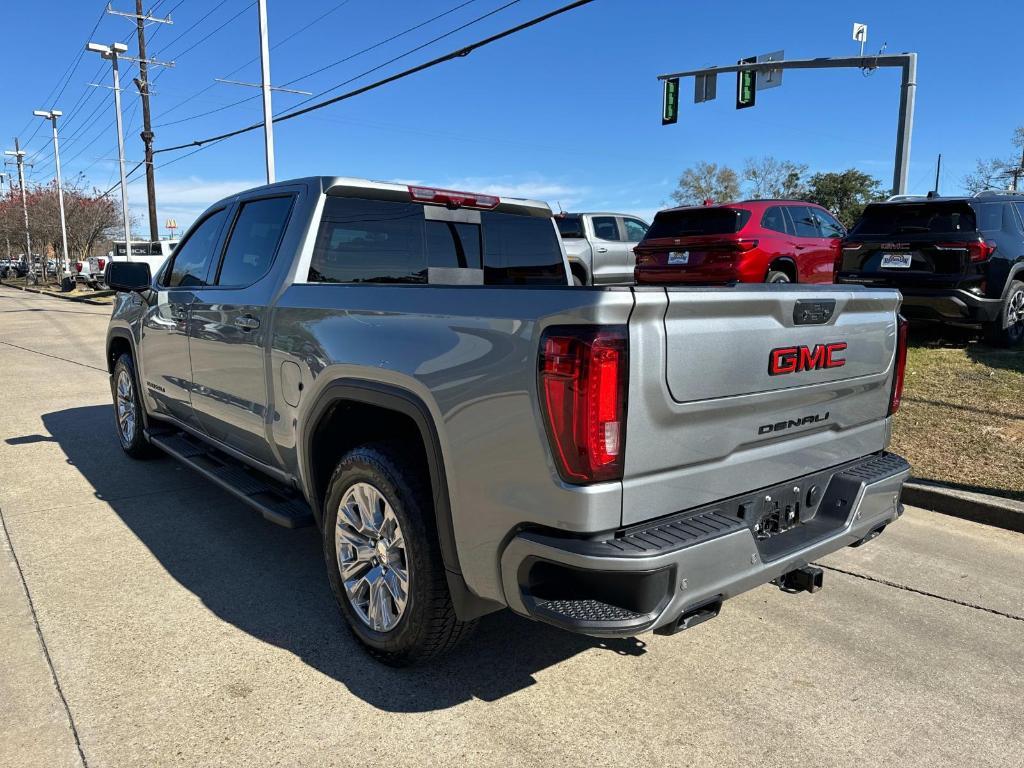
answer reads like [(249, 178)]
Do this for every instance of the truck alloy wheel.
[(125, 406), (372, 557), (1015, 313)]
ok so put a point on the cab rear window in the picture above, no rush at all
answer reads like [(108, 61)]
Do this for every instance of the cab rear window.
[(698, 221), (916, 218)]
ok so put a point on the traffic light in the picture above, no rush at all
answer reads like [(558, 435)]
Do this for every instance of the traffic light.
[(746, 81), (670, 101)]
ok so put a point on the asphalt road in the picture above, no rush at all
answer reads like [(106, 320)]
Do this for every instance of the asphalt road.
[(147, 618)]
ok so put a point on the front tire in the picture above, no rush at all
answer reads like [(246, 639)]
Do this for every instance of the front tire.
[(128, 409), (775, 276), (1008, 330), (383, 557)]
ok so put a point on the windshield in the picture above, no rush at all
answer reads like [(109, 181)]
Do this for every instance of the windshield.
[(903, 218), (698, 221)]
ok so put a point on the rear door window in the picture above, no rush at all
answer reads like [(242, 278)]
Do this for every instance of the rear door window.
[(254, 241), (192, 259), (635, 230), (570, 225), (774, 219), (990, 216), (804, 220), (688, 222), (606, 228), (829, 226)]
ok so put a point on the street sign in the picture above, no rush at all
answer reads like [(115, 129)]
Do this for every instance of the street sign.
[(745, 84), (705, 87), (670, 101), (860, 32), (773, 77)]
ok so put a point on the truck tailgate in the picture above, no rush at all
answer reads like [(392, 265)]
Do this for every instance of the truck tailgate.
[(734, 389)]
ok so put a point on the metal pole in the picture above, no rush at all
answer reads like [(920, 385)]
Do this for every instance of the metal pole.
[(268, 121), (60, 200), (10, 188), (142, 83), (938, 172), (120, 158), (908, 90), (24, 203)]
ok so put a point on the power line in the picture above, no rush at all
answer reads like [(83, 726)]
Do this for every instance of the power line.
[(459, 53), (360, 53)]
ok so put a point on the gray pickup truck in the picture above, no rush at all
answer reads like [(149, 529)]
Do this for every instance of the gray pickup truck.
[(410, 370), (600, 246)]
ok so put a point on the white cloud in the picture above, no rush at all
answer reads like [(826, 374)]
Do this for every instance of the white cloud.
[(534, 187), (197, 191)]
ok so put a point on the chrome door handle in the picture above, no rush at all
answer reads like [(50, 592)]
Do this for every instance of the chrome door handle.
[(602, 250), (247, 322)]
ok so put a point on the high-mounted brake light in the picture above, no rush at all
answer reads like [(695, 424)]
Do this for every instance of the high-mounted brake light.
[(900, 372), (582, 382), (453, 199)]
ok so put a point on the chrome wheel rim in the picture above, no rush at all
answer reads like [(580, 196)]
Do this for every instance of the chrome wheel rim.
[(125, 406), (1015, 309), (372, 558)]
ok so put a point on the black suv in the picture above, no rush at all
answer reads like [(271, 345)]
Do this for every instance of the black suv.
[(955, 259)]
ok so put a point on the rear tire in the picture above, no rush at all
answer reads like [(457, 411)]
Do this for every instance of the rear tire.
[(777, 276), (383, 557), (1008, 330), (128, 409)]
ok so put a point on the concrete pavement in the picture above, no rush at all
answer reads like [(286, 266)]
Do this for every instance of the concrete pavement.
[(150, 619)]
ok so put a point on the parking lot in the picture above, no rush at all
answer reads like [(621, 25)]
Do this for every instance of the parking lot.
[(150, 619)]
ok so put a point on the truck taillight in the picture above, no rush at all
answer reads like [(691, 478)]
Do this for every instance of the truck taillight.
[(101, 263), (899, 374), (582, 384), (453, 199), (977, 250), (78, 266)]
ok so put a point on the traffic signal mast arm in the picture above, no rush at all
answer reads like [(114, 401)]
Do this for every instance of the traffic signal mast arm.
[(907, 62)]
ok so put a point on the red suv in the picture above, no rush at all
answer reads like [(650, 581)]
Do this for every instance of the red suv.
[(752, 241)]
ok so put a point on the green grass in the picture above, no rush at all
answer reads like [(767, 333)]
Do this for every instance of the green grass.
[(962, 417)]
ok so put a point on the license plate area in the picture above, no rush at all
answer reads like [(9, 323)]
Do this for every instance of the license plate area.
[(678, 257), (893, 260), (780, 509)]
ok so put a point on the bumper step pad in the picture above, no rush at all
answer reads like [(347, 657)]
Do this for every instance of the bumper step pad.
[(277, 503)]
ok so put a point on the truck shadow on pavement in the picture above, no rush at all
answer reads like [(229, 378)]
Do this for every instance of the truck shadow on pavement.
[(271, 582)]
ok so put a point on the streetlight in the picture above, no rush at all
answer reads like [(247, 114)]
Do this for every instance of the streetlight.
[(52, 116), (111, 52)]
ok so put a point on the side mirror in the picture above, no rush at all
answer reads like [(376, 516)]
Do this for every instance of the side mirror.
[(128, 276)]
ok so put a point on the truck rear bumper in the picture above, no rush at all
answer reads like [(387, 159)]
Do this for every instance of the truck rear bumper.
[(674, 572)]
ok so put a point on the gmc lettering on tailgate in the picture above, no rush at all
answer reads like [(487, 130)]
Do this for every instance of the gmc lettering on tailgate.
[(802, 358)]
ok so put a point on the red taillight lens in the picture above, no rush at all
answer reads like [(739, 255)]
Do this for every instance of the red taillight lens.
[(740, 245), (102, 263), (582, 384), (78, 266), (902, 333), (453, 199), (977, 250)]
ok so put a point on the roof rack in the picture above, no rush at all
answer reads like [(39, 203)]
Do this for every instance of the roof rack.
[(901, 198), (996, 193)]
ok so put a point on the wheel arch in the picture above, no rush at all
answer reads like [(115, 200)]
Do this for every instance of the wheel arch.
[(785, 264), (394, 404)]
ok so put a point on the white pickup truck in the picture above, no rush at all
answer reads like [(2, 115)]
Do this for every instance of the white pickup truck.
[(154, 253), (600, 246)]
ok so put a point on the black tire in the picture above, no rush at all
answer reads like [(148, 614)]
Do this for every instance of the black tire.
[(427, 626), (129, 410), (777, 276), (576, 280), (1008, 330)]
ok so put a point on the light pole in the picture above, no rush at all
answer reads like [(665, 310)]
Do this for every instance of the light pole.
[(52, 116), (19, 156), (268, 118), (111, 52)]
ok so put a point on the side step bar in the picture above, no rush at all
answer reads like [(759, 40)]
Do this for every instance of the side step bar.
[(277, 503)]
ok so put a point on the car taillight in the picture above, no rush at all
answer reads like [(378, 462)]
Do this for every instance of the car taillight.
[(740, 245), (582, 381), (102, 263), (453, 199), (899, 374), (977, 250), (78, 266)]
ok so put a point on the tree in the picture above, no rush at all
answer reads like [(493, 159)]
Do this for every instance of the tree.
[(999, 173), (770, 178), (844, 193), (706, 181)]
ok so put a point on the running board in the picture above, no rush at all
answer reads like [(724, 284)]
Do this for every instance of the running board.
[(277, 503)]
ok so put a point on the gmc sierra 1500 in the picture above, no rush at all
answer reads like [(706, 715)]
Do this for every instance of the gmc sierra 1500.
[(411, 370)]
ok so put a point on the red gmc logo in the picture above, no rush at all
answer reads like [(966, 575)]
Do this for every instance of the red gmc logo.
[(795, 359)]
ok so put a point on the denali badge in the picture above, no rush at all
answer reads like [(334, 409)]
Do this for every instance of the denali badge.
[(790, 423), (795, 359)]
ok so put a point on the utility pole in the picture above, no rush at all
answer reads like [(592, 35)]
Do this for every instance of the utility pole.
[(938, 172), (142, 83), (111, 52), (10, 188), (268, 121), (52, 116), (906, 62), (19, 155), (1017, 172)]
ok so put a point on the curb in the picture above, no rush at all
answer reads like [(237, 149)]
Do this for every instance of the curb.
[(78, 299), (976, 507)]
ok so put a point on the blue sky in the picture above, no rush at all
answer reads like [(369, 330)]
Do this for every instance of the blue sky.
[(568, 112)]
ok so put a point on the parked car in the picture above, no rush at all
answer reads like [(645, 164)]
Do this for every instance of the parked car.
[(410, 369), (90, 270), (600, 246), (752, 241), (955, 259)]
